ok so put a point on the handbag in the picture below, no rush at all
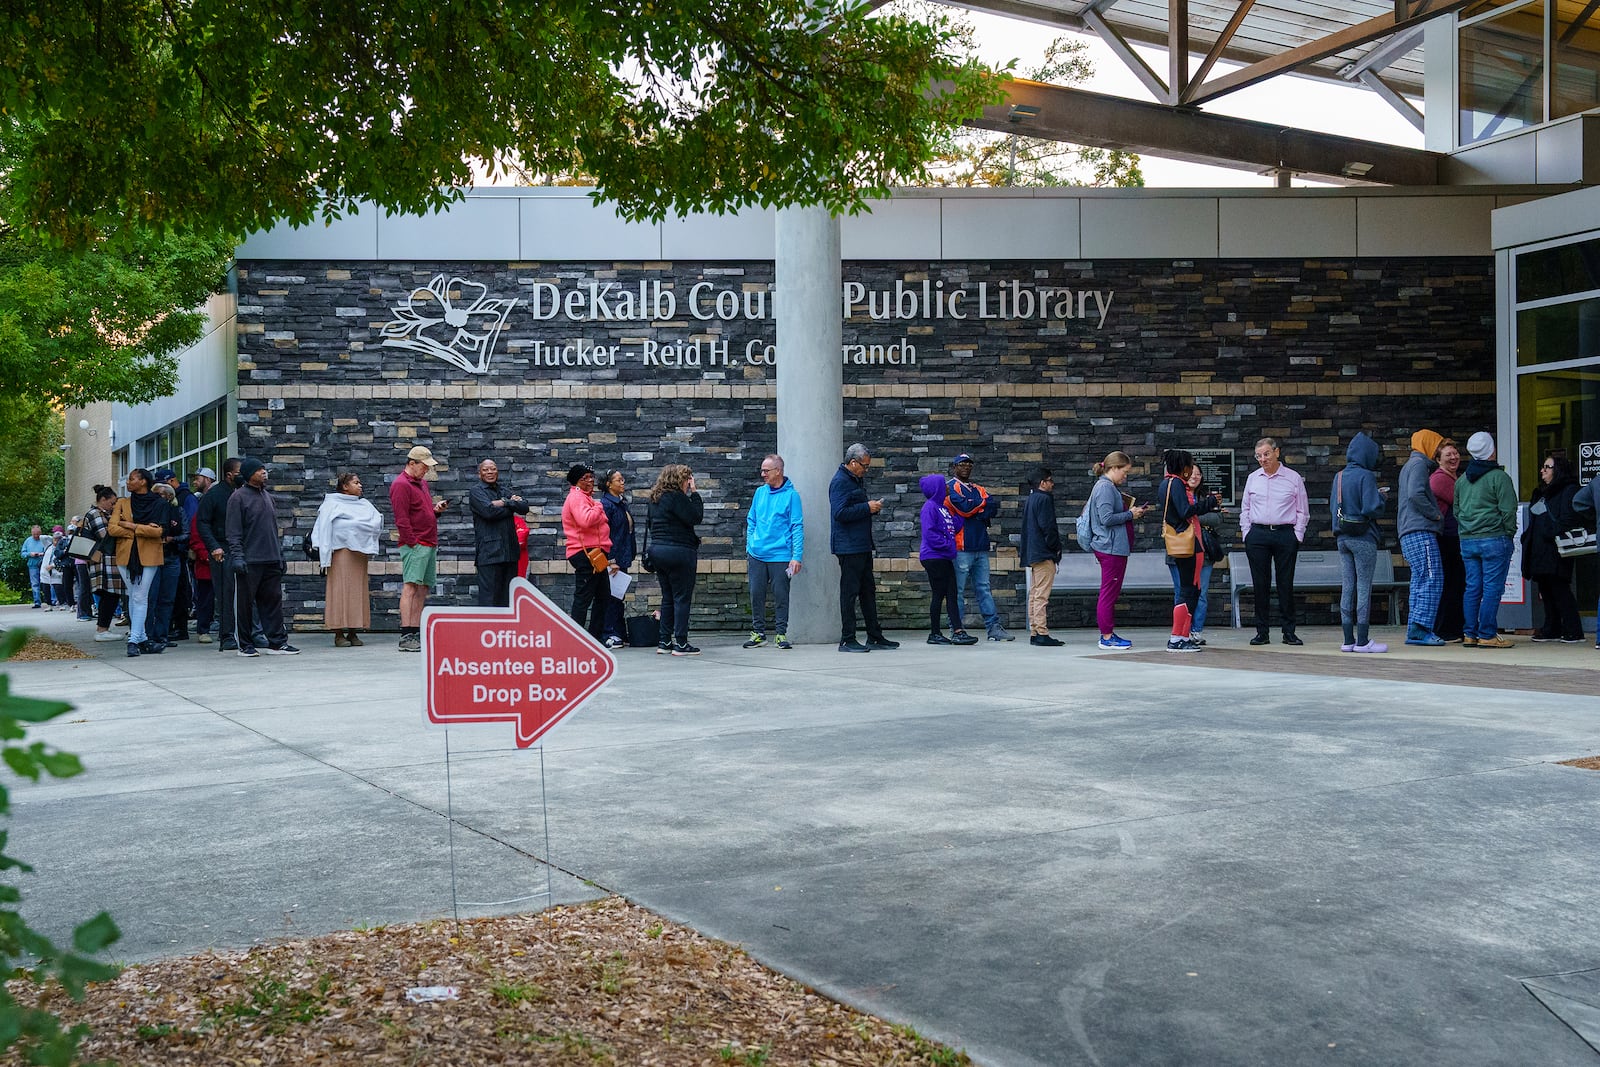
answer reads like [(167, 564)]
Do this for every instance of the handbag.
[(597, 559), (80, 547), (644, 557), (1578, 542), (644, 631), (1180, 544), (1347, 526)]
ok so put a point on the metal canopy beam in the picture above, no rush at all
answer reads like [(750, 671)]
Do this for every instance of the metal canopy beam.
[(1081, 117), (1322, 47), (1125, 52), (1371, 80)]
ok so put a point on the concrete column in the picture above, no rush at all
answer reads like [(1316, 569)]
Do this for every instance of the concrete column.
[(811, 403)]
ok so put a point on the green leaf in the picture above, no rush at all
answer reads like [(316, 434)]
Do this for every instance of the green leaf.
[(96, 934)]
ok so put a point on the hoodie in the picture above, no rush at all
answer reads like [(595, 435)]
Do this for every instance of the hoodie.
[(974, 508), (1357, 488), (940, 527), (1419, 510), (774, 531), (1486, 501)]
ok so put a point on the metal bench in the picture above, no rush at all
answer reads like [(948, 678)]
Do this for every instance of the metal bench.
[(1318, 570), (1079, 572)]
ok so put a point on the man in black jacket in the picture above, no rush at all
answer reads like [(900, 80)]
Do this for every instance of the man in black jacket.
[(211, 521), (255, 555), (1040, 551), (496, 534)]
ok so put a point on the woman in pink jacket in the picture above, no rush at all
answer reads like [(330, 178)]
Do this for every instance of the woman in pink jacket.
[(588, 532)]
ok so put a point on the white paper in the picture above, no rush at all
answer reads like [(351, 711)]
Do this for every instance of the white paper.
[(620, 580)]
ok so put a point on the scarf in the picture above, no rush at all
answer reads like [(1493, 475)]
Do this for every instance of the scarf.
[(346, 521)]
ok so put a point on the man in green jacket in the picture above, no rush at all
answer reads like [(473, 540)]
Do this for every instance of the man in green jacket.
[(1486, 511)]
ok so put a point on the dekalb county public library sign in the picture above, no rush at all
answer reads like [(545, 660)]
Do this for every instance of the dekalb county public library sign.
[(460, 322)]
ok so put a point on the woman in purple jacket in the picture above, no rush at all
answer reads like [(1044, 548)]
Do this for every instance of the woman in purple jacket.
[(941, 534)]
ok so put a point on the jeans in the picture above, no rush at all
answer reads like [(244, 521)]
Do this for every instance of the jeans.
[(33, 580), (765, 576), (162, 598), (1202, 600), (85, 591), (675, 570), (1486, 560), (1357, 558), (977, 565), (138, 594), (1421, 550), (855, 583)]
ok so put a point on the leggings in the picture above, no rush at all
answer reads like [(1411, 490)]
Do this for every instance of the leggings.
[(942, 580)]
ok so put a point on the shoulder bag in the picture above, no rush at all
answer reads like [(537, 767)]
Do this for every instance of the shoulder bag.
[(1347, 526), (645, 559), (1578, 542), (1180, 544)]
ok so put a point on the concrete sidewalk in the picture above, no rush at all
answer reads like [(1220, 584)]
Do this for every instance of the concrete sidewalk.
[(1045, 856)]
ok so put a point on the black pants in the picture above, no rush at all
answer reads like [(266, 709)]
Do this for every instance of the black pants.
[(675, 569), (590, 592), (223, 581), (108, 609), (942, 581), (260, 592), (183, 600), (1561, 617), (494, 584), (1269, 551), (205, 605), (855, 583), (1448, 623)]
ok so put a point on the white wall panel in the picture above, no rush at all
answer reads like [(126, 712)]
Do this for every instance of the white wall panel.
[(477, 228), (747, 235), (574, 227), (353, 237), (893, 229), (1279, 226), (1011, 228), (1149, 227), (1423, 225)]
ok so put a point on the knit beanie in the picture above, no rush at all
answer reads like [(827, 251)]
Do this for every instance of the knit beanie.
[(1480, 445), (1426, 442), (248, 468)]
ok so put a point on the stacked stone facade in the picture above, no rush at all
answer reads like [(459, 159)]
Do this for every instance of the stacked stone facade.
[(1205, 354)]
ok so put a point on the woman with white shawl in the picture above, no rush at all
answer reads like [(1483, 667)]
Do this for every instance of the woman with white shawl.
[(346, 537)]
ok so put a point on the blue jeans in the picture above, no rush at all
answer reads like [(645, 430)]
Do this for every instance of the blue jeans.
[(33, 579), (1197, 624), (162, 597), (1486, 559), (138, 591), (977, 565)]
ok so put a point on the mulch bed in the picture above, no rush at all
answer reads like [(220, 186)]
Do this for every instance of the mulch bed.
[(40, 647), (599, 983), (1588, 763)]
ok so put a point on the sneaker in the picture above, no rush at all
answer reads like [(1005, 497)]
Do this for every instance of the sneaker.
[(1261, 639), (783, 641), (757, 639), (204, 639), (613, 642), (1425, 638), (664, 648), (106, 635), (228, 645), (248, 651), (999, 633), (410, 642), (1182, 644), (961, 637), (939, 639), (685, 649), (1113, 643), (285, 649), (884, 644), (1540, 639), (1045, 641), (1572, 640), (853, 646), (153, 648), (1495, 642), (133, 649), (123, 622), (1374, 646)]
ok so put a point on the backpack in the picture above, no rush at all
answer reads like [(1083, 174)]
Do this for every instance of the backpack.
[(308, 548), (1084, 528)]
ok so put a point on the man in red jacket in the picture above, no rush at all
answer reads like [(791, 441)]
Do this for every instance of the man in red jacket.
[(416, 519)]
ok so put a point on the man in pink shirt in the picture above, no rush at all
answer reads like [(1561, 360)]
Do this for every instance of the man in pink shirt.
[(1273, 514), (416, 520)]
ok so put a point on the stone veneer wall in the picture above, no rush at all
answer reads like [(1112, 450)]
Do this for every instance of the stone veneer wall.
[(1204, 354)]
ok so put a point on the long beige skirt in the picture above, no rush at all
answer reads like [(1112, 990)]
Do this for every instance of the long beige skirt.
[(349, 602)]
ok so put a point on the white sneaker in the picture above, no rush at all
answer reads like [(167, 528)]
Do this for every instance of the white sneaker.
[(106, 635)]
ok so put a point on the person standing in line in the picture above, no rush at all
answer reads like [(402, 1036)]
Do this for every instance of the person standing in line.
[(774, 536), (103, 573), (1354, 507), (204, 595), (1419, 523), (941, 533), (255, 552), (972, 504), (588, 533), (182, 612), (174, 546), (416, 521), (83, 581), (1486, 511), (1273, 515), (1039, 549), (494, 535), (50, 568), (33, 547), (624, 547), (211, 522), (1210, 546), (1179, 512), (346, 538), (1586, 513), (675, 510), (850, 539), (138, 522), (1111, 519), (1550, 512), (1447, 623)]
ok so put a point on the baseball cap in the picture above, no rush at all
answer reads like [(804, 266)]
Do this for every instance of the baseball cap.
[(206, 472), (161, 474), (422, 454), (963, 458)]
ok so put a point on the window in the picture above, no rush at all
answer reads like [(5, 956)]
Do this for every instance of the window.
[(1502, 68), (1575, 47), (189, 444)]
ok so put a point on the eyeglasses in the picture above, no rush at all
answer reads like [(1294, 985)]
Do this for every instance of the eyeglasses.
[(1548, 467), (768, 470)]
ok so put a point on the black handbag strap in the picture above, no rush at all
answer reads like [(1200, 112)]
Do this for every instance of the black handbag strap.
[(646, 552)]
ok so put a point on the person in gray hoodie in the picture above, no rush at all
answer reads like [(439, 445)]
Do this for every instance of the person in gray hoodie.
[(1419, 523), (1356, 503)]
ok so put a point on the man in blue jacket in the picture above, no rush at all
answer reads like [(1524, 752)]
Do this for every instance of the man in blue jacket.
[(850, 539), (972, 502), (774, 535)]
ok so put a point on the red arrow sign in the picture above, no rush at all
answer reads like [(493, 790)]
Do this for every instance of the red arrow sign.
[(529, 664)]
